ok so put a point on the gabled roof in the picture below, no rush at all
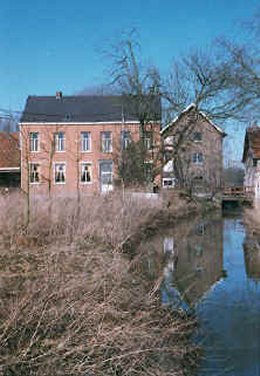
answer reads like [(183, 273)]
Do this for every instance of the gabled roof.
[(9, 151), (192, 106), (88, 108), (252, 143)]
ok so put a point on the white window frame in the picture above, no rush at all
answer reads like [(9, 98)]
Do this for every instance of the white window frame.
[(91, 173), (107, 173), (83, 141), (196, 158), (105, 140), (125, 141), (173, 181), (60, 142), (30, 173), (65, 167), (34, 142), (148, 140)]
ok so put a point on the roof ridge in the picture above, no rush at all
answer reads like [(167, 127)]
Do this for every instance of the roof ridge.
[(188, 108)]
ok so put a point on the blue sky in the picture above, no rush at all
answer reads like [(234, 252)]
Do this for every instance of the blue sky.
[(49, 45)]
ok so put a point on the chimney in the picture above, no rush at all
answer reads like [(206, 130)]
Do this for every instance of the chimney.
[(58, 94)]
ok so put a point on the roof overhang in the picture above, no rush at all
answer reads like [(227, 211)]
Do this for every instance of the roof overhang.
[(187, 109), (10, 169)]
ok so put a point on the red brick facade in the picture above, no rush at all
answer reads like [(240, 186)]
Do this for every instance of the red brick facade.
[(79, 170)]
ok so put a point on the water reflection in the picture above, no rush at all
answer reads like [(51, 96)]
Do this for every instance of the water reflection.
[(194, 259), (252, 258), (212, 266)]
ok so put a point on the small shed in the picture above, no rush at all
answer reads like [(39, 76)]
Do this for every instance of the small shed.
[(10, 172)]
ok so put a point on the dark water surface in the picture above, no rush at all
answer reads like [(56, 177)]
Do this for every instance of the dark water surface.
[(212, 267)]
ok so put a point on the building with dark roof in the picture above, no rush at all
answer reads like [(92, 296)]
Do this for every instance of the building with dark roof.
[(251, 159), (90, 108), (74, 143)]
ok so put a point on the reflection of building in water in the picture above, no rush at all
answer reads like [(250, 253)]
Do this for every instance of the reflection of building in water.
[(252, 258), (197, 257), (188, 257)]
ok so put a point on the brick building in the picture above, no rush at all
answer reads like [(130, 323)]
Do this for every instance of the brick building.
[(73, 143), (193, 152), (9, 160)]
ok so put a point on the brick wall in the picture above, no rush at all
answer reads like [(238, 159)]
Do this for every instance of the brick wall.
[(46, 157), (209, 170)]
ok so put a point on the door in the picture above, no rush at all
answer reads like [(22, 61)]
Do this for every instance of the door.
[(106, 176)]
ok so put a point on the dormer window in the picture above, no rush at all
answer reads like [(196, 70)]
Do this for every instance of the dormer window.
[(67, 116)]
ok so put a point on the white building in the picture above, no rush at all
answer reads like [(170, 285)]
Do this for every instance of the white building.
[(251, 159)]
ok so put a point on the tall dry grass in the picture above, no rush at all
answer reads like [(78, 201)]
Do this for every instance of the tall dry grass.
[(73, 304)]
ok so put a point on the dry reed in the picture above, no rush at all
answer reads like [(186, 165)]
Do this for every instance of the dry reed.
[(73, 304)]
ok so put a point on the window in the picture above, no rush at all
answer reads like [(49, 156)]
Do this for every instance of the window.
[(60, 141), (197, 136), (125, 139), (169, 182), (85, 141), (198, 179), (201, 229), (86, 173), (34, 141), (148, 140), (106, 142), (60, 173), (34, 175), (168, 245), (148, 171), (106, 176), (197, 158)]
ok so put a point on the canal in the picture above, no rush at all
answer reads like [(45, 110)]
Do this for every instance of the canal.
[(211, 268)]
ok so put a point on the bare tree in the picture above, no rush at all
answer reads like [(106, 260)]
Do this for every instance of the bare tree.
[(140, 87), (223, 81), (240, 73), (8, 122)]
